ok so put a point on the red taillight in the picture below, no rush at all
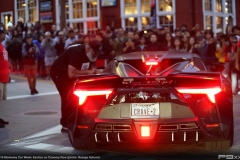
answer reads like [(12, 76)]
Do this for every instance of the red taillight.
[(83, 127), (151, 63), (212, 125), (145, 131), (83, 94), (210, 92)]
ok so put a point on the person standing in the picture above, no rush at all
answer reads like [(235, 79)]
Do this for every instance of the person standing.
[(75, 60), (60, 43), (29, 53), (71, 39), (48, 45), (41, 69), (4, 72)]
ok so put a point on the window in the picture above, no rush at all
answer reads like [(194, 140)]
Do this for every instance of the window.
[(67, 9), (92, 27), (219, 23), (208, 5), (77, 9), (92, 8), (145, 6), (166, 20), (21, 10), (82, 15), (32, 4), (27, 10), (217, 19), (130, 7), (165, 5), (228, 5), (131, 23), (219, 6), (79, 27), (145, 22), (136, 14), (209, 22)]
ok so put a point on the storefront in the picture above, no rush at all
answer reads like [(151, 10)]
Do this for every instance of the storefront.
[(88, 15)]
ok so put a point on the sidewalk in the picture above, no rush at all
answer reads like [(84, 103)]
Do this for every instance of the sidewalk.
[(28, 114)]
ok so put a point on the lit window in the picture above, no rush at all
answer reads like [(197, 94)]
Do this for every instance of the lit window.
[(130, 7), (208, 5), (92, 27), (67, 9), (166, 20), (145, 8), (219, 24), (145, 22), (79, 27), (209, 22), (165, 5), (92, 8), (131, 23), (228, 5), (219, 6), (32, 8), (77, 9), (21, 10)]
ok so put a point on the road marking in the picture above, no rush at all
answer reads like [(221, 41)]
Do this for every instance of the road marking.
[(38, 79), (37, 141), (35, 95), (53, 130)]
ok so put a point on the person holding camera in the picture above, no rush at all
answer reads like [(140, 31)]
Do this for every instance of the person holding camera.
[(48, 44), (30, 55)]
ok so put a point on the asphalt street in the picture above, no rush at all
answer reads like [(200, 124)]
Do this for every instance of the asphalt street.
[(34, 130)]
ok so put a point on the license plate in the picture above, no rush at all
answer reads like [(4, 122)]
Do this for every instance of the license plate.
[(144, 110)]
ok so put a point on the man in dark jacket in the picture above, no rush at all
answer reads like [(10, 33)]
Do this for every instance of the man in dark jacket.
[(154, 45), (206, 52), (75, 60)]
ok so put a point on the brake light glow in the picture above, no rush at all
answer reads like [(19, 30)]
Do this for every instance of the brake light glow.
[(83, 127), (212, 125), (83, 94), (145, 131), (210, 92), (151, 63)]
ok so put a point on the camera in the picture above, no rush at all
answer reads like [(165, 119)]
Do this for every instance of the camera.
[(34, 49)]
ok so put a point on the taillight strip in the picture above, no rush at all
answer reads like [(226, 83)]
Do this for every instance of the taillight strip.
[(83, 94), (208, 91)]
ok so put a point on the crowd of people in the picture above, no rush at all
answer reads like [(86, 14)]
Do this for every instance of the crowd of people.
[(32, 50)]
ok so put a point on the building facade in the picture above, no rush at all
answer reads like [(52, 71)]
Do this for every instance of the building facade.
[(89, 15)]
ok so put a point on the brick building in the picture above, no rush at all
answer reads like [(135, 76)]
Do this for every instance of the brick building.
[(88, 15)]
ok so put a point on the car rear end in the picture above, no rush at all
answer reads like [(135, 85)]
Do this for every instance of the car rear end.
[(178, 108)]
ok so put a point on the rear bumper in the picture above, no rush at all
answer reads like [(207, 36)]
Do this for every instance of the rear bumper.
[(174, 134)]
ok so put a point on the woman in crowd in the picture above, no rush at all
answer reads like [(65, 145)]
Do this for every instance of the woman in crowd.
[(185, 42), (191, 47), (168, 40), (142, 46), (177, 45)]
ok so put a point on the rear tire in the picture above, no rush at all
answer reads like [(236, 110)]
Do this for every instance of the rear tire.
[(222, 144), (82, 145)]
